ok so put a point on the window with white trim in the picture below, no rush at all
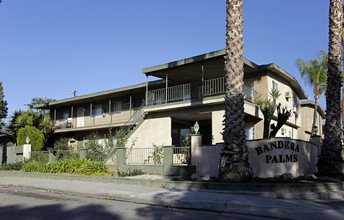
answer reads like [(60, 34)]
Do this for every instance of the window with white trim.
[(274, 85)]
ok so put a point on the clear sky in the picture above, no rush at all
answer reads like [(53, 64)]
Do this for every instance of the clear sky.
[(49, 48)]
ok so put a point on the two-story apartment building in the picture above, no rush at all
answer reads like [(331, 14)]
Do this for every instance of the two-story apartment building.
[(189, 90)]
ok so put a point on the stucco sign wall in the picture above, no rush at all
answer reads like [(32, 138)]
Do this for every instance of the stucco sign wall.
[(275, 156)]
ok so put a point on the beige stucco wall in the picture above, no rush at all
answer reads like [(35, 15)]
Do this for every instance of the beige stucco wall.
[(284, 87), (156, 131), (307, 121)]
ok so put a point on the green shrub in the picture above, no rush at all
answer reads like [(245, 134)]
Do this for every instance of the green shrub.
[(157, 155), (35, 166), (71, 166), (12, 166), (130, 172), (66, 154), (36, 137), (61, 144), (40, 156)]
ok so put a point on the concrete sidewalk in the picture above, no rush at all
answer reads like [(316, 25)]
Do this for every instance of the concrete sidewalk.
[(229, 201)]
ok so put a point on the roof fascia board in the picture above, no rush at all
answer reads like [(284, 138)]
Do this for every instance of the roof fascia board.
[(194, 59), (276, 69), (92, 95), (312, 104)]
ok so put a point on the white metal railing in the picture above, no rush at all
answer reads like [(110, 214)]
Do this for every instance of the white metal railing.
[(139, 156), (186, 92), (182, 155), (173, 94), (213, 86)]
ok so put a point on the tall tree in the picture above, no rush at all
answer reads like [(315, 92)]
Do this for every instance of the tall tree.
[(330, 160), (234, 164), (314, 72), (40, 101), (3, 106), (268, 109)]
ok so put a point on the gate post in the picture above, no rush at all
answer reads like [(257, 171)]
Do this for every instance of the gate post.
[(121, 157), (168, 159)]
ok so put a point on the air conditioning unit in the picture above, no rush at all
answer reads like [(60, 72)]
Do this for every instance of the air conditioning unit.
[(283, 131), (287, 95)]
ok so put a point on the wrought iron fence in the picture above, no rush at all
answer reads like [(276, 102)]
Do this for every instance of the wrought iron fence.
[(182, 155), (40, 156), (66, 154)]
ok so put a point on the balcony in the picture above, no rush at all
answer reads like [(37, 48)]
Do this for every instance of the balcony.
[(195, 90)]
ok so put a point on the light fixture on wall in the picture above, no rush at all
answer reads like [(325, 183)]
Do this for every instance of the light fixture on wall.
[(196, 127)]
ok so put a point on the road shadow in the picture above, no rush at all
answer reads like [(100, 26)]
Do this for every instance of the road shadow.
[(58, 212)]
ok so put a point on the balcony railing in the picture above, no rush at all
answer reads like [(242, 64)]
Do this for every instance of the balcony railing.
[(195, 91)]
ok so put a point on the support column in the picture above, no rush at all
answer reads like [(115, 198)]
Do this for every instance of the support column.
[(54, 117), (82, 153), (147, 91), (52, 157), (110, 115), (166, 88), (26, 151), (91, 116), (196, 141)]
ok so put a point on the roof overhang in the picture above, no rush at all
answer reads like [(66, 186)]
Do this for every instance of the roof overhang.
[(285, 75), (113, 93), (311, 104), (190, 69)]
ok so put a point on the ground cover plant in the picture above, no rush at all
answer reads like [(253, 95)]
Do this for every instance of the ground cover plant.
[(71, 166), (12, 166)]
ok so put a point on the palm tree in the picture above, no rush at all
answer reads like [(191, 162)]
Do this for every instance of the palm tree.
[(314, 72), (234, 164), (330, 160)]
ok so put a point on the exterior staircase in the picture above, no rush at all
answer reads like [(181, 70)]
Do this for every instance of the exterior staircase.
[(130, 126)]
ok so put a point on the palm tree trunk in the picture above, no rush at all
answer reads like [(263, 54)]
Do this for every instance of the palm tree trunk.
[(330, 159), (315, 113), (234, 164)]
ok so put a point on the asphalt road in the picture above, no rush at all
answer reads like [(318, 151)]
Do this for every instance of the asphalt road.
[(32, 204)]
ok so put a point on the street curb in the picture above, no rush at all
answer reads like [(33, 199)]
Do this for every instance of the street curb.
[(302, 191)]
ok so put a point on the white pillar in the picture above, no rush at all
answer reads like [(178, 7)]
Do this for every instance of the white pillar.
[(26, 151), (196, 141)]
